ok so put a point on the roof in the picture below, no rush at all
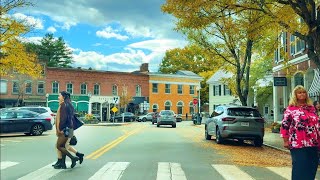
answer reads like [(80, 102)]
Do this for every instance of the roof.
[(179, 74), (187, 73), (216, 77)]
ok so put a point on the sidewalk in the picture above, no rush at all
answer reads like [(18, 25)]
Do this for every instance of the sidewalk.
[(273, 140)]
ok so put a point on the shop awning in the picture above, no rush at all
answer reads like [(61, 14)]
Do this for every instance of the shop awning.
[(82, 106), (314, 89)]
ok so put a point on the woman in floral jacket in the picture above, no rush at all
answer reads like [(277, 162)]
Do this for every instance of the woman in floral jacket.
[(300, 133)]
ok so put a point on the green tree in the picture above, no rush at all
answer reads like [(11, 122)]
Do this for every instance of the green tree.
[(225, 34), (54, 52), (13, 55)]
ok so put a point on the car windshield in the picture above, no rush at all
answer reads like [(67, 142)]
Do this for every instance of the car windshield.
[(246, 112), (168, 113)]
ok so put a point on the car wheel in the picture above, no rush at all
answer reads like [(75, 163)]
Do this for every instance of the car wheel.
[(152, 122), (258, 142), (207, 136), (174, 125), (219, 139), (158, 125), (144, 119), (37, 129)]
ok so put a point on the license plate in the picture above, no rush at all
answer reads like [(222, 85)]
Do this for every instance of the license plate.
[(244, 123)]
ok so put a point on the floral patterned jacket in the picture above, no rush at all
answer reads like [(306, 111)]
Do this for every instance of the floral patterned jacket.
[(301, 126)]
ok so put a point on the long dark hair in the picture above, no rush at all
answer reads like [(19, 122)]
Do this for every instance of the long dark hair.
[(65, 95)]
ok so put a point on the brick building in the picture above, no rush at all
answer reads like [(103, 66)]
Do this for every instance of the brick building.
[(96, 92), (299, 70), (22, 90)]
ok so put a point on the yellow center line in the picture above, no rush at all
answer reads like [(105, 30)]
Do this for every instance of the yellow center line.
[(109, 146)]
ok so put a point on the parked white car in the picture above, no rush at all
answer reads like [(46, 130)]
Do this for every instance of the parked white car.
[(45, 111), (146, 117)]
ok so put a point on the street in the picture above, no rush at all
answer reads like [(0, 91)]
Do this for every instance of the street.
[(141, 151)]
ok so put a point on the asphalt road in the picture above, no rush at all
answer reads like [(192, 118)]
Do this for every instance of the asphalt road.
[(141, 151)]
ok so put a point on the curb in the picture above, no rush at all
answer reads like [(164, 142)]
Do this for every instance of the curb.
[(277, 148)]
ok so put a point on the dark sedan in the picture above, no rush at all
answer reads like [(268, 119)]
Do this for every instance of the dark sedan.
[(24, 121), (128, 117)]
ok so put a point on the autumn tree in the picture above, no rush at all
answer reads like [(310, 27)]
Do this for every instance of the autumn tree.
[(225, 34), (53, 51), (300, 18), (13, 55), (191, 58)]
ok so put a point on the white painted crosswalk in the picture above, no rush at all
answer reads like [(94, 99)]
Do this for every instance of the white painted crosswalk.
[(6, 164), (164, 171)]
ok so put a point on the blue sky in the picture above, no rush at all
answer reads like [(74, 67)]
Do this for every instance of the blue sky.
[(113, 35)]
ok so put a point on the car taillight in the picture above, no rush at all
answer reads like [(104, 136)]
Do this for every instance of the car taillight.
[(48, 119), (228, 119), (261, 120)]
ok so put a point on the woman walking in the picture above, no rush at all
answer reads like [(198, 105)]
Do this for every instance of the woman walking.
[(299, 130), (64, 130)]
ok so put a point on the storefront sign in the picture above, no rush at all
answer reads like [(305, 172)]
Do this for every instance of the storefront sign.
[(279, 81)]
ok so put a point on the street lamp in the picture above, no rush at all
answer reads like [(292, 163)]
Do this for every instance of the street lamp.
[(47, 103), (198, 117)]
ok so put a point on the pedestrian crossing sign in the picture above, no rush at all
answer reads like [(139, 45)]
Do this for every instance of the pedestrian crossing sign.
[(114, 109)]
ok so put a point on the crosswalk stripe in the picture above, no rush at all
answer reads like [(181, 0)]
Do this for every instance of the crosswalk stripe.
[(169, 171), (284, 172), (111, 171), (231, 172), (6, 164), (42, 173)]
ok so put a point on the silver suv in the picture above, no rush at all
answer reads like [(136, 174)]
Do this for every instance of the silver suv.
[(235, 122), (166, 117)]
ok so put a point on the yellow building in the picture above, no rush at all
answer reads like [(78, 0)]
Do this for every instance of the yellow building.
[(174, 92)]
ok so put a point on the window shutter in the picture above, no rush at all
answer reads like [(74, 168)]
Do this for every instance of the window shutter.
[(224, 89), (219, 90), (214, 90)]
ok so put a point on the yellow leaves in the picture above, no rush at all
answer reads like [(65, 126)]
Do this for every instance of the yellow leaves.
[(13, 55), (17, 59)]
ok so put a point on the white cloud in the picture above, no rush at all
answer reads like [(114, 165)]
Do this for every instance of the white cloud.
[(29, 20), (35, 40), (158, 45), (108, 33), (127, 61), (51, 29)]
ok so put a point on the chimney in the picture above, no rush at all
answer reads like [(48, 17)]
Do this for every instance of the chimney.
[(144, 67)]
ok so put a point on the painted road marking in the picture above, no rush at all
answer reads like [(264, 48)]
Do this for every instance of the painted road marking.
[(169, 171), (111, 145), (43, 173), (284, 172), (111, 171), (6, 164), (231, 172)]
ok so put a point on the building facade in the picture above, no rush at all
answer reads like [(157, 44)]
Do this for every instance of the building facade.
[(21, 90), (219, 93), (97, 92), (174, 92), (299, 70)]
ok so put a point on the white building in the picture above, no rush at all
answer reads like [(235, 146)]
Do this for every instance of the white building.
[(219, 93)]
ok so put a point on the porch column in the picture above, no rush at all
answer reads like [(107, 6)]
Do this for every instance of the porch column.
[(275, 104)]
